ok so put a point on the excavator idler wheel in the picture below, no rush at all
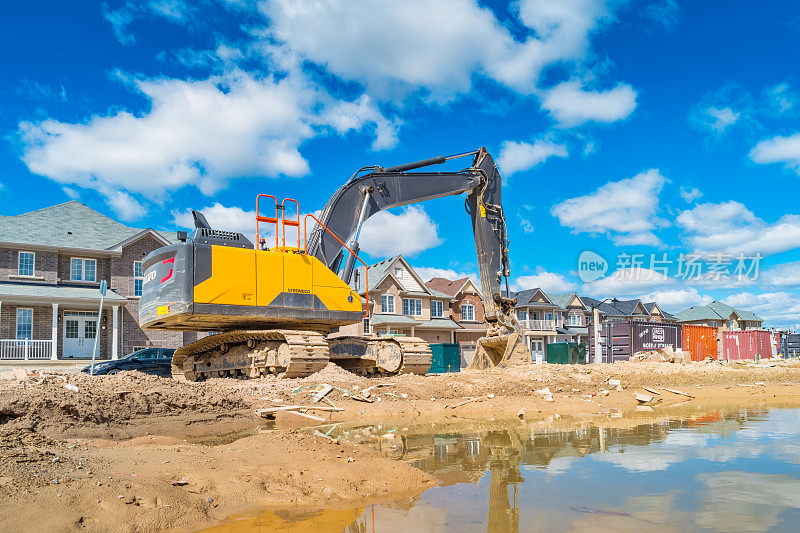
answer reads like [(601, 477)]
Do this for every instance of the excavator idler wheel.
[(251, 343)]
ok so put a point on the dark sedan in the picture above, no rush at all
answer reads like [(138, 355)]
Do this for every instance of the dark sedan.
[(156, 361)]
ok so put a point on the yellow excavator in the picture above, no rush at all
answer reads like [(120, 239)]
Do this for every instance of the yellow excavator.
[(273, 306)]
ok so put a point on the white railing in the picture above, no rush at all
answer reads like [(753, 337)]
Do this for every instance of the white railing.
[(25, 349), (540, 325)]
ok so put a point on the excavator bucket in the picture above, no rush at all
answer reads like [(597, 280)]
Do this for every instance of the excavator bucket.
[(500, 352)]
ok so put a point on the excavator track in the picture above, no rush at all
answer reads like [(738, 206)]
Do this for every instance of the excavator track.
[(385, 355), (243, 354)]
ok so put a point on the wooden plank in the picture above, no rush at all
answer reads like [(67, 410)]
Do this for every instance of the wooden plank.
[(324, 392), (272, 410), (651, 391), (306, 415), (673, 391)]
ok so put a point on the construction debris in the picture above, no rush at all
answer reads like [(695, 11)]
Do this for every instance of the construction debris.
[(326, 389), (468, 400), (652, 391), (673, 391), (521, 413), (306, 415), (644, 398)]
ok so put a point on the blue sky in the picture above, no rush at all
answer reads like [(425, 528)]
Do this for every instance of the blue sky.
[(628, 128)]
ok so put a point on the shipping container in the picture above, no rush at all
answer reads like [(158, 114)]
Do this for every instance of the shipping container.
[(749, 344), (701, 341), (790, 344), (620, 340), (566, 353), (445, 357)]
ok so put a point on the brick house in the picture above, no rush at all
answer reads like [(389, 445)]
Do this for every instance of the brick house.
[(466, 310), (720, 315), (401, 304), (51, 263)]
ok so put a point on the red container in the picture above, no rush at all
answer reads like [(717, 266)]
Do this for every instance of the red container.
[(748, 344), (701, 341)]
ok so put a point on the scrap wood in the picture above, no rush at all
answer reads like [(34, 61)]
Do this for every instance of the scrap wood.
[(673, 391), (306, 415), (459, 404), (644, 398), (326, 389), (361, 398), (652, 391), (378, 385), (273, 410)]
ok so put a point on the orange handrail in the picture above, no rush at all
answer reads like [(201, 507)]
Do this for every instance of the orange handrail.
[(268, 220), (295, 223), (366, 269)]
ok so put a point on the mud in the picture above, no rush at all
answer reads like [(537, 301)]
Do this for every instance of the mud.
[(140, 453)]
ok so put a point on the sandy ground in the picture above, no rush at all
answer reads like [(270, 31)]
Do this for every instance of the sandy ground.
[(139, 453)]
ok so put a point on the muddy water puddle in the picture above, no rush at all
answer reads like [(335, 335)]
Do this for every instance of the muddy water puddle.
[(714, 470)]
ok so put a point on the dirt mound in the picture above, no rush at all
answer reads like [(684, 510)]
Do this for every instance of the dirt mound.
[(106, 400)]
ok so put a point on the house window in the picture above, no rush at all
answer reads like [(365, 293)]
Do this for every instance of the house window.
[(25, 264), (366, 325), (468, 312), (398, 273), (437, 309), (574, 320), (387, 303), (138, 278), (522, 314), (24, 323), (83, 269), (412, 306)]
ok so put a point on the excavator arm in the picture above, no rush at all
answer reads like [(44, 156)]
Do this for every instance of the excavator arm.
[(382, 188)]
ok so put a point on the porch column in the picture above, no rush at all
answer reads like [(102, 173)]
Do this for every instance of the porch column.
[(54, 343), (115, 332), (412, 331), (452, 336)]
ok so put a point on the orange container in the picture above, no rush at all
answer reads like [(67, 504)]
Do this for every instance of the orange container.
[(701, 341)]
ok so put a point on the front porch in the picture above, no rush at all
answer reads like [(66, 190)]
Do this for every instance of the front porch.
[(65, 326)]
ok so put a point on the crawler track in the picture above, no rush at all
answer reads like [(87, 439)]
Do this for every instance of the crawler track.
[(287, 353)]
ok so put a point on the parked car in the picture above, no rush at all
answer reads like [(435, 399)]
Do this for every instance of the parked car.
[(156, 361)]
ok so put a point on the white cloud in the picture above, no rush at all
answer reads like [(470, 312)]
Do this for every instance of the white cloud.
[(409, 232), (676, 300), (547, 281), (525, 224), (390, 45), (518, 156), (775, 308), (172, 10), (125, 206), (227, 218), (72, 193), (780, 98), (784, 275), (625, 210), (665, 13), (571, 105), (428, 273), (628, 282), (731, 228), (717, 119), (690, 194), (201, 133), (778, 149)]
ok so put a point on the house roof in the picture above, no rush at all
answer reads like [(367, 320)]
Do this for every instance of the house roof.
[(383, 269), (390, 319), (562, 301), (71, 225), (715, 311), (438, 323), (447, 286), (55, 293), (524, 297)]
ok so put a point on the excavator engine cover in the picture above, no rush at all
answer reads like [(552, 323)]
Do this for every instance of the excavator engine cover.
[(500, 352)]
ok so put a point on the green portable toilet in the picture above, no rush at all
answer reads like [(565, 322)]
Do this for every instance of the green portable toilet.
[(566, 353), (445, 357)]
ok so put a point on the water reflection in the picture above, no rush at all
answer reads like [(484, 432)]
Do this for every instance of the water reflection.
[(716, 470)]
